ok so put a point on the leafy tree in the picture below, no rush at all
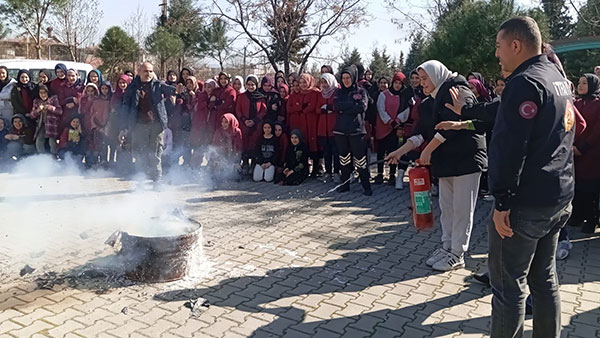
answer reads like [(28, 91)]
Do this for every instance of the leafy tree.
[(349, 58), (116, 50), (465, 40), (580, 62), (185, 20), (381, 64), (30, 16), (4, 31), (215, 43), (415, 54), (560, 22), (165, 46)]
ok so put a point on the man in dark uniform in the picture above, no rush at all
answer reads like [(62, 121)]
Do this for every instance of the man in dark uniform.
[(531, 178)]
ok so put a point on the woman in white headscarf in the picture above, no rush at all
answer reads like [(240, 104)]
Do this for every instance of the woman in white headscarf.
[(457, 158), (238, 85)]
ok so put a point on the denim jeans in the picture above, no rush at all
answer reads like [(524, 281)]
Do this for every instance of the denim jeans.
[(526, 258)]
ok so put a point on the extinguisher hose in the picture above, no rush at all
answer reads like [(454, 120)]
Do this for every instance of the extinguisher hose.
[(407, 163)]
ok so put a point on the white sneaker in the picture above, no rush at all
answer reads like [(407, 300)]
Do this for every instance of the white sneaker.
[(436, 256), (400, 180), (450, 262), (563, 249)]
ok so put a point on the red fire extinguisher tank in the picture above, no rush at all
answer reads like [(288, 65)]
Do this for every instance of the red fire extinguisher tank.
[(420, 193)]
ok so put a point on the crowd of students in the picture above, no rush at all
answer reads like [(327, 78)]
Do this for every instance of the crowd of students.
[(289, 128)]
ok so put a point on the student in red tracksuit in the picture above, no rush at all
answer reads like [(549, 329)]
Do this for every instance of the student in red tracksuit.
[(310, 96), (327, 118), (250, 109), (222, 100)]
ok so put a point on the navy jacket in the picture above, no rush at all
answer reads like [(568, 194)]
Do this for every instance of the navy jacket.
[(160, 92), (350, 105), (531, 157)]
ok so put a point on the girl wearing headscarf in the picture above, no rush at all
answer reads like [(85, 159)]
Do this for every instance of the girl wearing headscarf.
[(587, 156), (481, 93), (251, 109), (69, 96), (279, 80), (329, 88), (46, 113), (100, 114), (295, 170), (23, 93), (291, 78), (202, 127), (302, 115), (171, 78), (56, 85), (180, 120), (90, 93), (457, 157), (388, 132), (284, 93), (274, 104), (6, 86), (222, 99), (95, 77), (227, 141), (20, 138), (44, 77), (117, 119), (238, 85), (279, 132), (326, 69), (350, 106), (477, 76)]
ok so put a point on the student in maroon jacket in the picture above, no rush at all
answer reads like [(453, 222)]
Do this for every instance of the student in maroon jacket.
[(227, 142), (310, 95), (202, 128), (251, 109), (68, 96), (329, 87), (46, 113), (56, 85), (222, 100), (587, 156)]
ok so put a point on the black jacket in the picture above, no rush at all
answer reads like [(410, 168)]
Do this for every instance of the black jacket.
[(350, 105), (267, 150), (464, 151), (531, 157), (296, 158), (160, 93)]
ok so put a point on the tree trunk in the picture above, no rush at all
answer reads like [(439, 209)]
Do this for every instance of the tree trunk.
[(73, 54)]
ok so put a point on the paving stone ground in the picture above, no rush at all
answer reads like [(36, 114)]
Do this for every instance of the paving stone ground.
[(278, 262)]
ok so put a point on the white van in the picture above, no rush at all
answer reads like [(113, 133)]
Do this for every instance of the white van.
[(34, 67)]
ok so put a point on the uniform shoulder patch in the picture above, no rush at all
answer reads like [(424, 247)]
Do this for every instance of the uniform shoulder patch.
[(569, 118), (528, 110)]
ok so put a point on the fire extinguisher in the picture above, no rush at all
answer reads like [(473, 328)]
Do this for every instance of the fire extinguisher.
[(420, 195)]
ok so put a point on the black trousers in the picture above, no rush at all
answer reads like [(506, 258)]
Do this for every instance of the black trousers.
[(385, 146), (585, 207), (353, 148)]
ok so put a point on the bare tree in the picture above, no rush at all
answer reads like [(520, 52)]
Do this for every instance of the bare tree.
[(311, 21), (77, 25), (30, 16), (137, 25)]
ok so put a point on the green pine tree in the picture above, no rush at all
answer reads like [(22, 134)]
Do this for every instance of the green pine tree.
[(117, 50), (560, 22), (415, 54)]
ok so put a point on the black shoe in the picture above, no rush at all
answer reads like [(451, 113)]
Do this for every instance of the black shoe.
[(588, 227), (392, 180), (483, 278), (378, 179), (343, 188), (368, 192)]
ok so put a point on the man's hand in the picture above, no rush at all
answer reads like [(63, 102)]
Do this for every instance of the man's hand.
[(450, 125), (458, 101), (502, 223)]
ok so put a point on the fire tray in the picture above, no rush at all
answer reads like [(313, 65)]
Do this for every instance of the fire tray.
[(159, 259)]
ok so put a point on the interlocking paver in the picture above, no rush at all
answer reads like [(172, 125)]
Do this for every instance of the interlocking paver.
[(284, 264)]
